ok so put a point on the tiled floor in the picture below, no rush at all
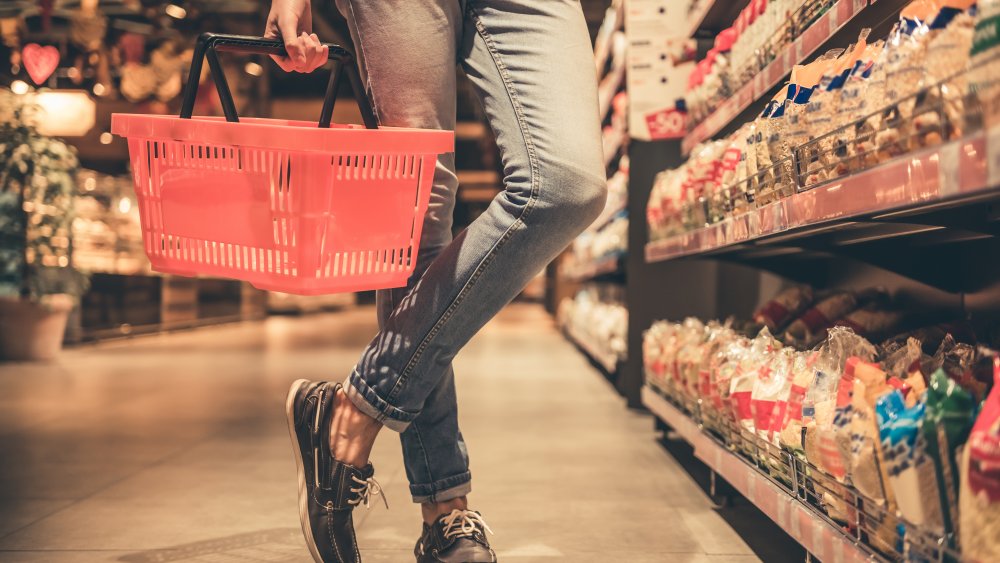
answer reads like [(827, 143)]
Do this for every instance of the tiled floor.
[(174, 448)]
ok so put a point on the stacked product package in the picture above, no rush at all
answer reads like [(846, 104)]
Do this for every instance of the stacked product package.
[(930, 81), (909, 425), (596, 314), (761, 31)]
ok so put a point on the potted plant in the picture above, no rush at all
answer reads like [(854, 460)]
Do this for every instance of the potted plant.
[(38, 284)]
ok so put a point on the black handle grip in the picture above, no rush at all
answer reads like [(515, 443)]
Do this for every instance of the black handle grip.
[(210, 43)]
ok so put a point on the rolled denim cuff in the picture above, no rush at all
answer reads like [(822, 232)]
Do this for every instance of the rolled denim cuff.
[(367, 401), (444, 489)]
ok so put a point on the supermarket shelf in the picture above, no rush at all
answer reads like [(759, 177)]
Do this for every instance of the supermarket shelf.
[(609, 266), (478, 186), (821, 538), (935, 194), (607, 361), (714, 15), (831, 29), (470, 130)]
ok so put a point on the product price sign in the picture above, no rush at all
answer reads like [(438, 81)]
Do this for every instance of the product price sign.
[(659, 63), (668, 123)]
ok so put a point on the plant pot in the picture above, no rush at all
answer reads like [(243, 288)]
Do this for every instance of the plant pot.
[(32, 331)]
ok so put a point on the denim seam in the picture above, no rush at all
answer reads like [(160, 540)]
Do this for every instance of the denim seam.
[(361, 52), (423, 450), (488, 259)]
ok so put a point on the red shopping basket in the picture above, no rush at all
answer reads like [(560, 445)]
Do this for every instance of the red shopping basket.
[(285, 205)]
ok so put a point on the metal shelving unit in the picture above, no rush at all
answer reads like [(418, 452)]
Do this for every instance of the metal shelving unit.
[(962, 172), (927, 220), (790, 491), (604, 358), (602, 268)]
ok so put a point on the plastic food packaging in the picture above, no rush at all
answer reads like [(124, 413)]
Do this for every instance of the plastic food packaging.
[(979, 499), (984, 75), (717, 336), (946, 427), (821, 446), (769, 397), (872, 321), (791, 434), (726, 365), (757, 358), (689, 362), (868, 466), (946, 83), (811, 327), (910, 470), (787, 305)]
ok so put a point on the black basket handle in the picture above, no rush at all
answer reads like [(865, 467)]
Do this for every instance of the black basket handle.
[(209, 43)]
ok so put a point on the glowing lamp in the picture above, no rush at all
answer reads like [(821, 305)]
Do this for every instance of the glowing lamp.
[(65, 113)]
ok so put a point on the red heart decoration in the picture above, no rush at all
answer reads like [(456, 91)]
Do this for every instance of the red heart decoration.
[(40, 62)]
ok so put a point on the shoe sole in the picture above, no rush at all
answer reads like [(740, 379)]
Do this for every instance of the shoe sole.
[(297, 453)]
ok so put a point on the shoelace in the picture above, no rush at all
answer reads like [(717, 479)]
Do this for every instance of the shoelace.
[(463, 523), (368, 488)]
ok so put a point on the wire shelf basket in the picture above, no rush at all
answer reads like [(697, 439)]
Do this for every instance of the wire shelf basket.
[(864, 519)]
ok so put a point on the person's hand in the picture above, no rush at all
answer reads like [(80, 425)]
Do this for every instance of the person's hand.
[(291, 20)]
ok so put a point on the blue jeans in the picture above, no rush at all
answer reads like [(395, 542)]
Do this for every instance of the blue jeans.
[(531, 63)]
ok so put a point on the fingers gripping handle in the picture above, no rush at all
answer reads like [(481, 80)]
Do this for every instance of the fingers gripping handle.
[(211, 43)]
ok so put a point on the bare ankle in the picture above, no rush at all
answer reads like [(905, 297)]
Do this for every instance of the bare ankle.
[(352, 432), (434, 510)]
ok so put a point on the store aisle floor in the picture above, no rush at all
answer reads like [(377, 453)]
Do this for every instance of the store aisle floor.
[(174, 448)]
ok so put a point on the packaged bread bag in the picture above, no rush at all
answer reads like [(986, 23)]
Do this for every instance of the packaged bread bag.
[(947, 423), (946, 81), (984, 64), (811, 327), (868, 468), (786, 306), (910, 469), (726, 365), (756, 360), (792, 432), (979, 498), (769, 397)]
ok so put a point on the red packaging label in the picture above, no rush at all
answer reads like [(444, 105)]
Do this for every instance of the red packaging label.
[(762, 412), (830, 454), (984, 444), (705, 383), (796, 397), (777, 418), (775, 313), (815, 320), (741, 405), (845, 390), (984, 465)]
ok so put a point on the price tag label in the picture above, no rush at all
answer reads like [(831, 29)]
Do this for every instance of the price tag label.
[(813, 37), (993, 157), (666, 124), (949, 175), (796, 524)]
